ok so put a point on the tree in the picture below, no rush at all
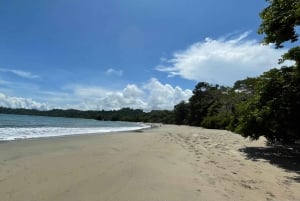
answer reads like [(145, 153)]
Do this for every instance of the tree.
[(181, 113), (279, 21), (205, 96), (273, 110), (292, 54)]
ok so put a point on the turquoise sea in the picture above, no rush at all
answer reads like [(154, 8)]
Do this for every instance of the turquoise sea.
[(13, 127)]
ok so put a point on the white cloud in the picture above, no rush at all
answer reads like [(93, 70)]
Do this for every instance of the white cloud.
[(86, 92), (132, 91), (18, 102), (222, 61), (130, 96), (164, 96), (20, 73), (118, 100), (153, 95), (114, 72)]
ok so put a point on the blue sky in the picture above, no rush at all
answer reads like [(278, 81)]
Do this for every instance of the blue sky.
[(109, 54)]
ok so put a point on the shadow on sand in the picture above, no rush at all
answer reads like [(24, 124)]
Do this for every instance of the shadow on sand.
[(285, 157)]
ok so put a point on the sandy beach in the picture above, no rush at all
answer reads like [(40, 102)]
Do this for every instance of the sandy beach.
[(168, 163)]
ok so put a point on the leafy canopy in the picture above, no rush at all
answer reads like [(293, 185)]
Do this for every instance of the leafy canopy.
[(279, 21)]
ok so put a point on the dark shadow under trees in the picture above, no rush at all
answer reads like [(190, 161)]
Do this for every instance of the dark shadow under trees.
[(285, 157)]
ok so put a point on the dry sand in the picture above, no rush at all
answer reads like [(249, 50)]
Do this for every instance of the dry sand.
[(169, 163)]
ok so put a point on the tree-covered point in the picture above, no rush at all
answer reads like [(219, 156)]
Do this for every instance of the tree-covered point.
[(125, 114)]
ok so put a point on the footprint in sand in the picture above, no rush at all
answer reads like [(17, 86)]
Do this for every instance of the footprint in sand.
[(270, 194), (220, 167), (213, 162), (248, 184)]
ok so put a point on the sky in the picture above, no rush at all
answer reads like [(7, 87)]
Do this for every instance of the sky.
[(110, 54)]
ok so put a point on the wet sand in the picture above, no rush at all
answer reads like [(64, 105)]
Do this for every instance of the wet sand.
[(168, 163)]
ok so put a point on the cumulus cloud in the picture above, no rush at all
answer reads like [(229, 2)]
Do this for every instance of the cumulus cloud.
[(114, 72), (20, 73), (153, 95), (222, 61), (164, 96), (18, 102), (118, 100)]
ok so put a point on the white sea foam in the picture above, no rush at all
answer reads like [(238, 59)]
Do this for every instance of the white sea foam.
[(8, 134), (14, 127)]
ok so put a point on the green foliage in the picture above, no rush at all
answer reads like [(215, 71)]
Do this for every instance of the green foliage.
[(274, 109), (211, 106), (205, 97), (268, 105), (219, 121), (181, 113), (292, 54), (279, 20), (125, 114), (246, 87), (159, 116)]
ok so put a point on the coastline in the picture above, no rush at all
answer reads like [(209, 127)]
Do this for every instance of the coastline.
[(166, 162), (18, 127)]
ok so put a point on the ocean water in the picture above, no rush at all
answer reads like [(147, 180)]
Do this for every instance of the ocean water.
[(13, 127)]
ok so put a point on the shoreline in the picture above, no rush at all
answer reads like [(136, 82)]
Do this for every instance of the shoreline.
[(142, 127), (74, 135), (169, 162)]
